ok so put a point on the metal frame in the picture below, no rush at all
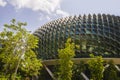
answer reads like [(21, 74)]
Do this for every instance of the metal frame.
[(77, 60)]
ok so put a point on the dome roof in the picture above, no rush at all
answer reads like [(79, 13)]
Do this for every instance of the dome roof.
[(98, 34)]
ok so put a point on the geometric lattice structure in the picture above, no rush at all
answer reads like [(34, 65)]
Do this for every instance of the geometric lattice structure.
[(98, 34)]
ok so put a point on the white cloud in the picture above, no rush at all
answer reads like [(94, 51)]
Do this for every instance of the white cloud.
[(46, 8), (60, 12), (3, 3)]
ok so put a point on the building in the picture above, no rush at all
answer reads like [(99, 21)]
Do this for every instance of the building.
[(98, 34)]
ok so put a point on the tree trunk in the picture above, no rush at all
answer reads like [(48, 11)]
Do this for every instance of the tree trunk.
[(18, 65), (14, 75)]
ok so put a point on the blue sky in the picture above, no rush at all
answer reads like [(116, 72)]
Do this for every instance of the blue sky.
[(38, 12)]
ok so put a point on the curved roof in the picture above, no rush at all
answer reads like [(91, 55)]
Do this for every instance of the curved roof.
[(98, 34)]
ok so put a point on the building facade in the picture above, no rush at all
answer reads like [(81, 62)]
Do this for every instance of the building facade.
[(98, 34)]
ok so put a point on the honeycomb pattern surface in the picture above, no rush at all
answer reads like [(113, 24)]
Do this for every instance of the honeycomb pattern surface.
[(98, 34)]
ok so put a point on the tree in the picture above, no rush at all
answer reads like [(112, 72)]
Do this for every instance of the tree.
[(96, 67), (16, 49), (66, 63)]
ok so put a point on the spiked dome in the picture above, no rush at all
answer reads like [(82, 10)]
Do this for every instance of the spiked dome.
[(98, 34)]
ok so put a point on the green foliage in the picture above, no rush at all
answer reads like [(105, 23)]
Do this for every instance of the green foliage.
[(66, 63), (30, 65), (96, 67), (2, 77), (17, 52)]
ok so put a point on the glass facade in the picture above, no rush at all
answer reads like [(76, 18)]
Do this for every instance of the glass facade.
[(98, 34)]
